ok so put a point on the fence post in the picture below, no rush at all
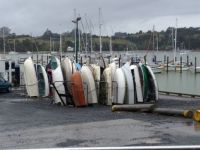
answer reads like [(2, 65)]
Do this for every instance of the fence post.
[(167, 63), (195, 65)]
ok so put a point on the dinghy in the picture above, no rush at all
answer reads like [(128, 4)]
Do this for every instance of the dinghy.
[(78, 89), (144, 80), (106, 87), (57, 80), (137, 83), (129, 84), (67, 71), (30, 78), (153, 86), (113, 68), (119, 87), (89, 87), (96, 71), (43, 83)]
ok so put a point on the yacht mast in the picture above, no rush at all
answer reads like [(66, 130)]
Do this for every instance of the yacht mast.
[(100, 24), (91, 46), (60, 45), (50, 45), (157, 42), (153, 38), (4, 45), (110, 45), (14, 45), (75, 31), (175, 41)]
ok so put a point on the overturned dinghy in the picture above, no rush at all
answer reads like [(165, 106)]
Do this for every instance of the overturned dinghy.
[(57, 80), (67, 69), (89, 86), (137, 83), (43, 83), (130, 98), (153, 86), (30, 78), (105, 96), (78, 89), (149, 84), (96, 71), (119, 87)]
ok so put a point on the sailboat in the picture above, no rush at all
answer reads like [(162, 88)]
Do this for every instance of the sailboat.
[(155, 66), (175, 65), (14, 51)]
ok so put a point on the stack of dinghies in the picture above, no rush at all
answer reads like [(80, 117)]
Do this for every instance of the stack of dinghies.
[(134, 84), (36, 79), (91, 84)]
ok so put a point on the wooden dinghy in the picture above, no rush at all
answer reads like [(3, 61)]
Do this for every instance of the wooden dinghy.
[(78, 89)]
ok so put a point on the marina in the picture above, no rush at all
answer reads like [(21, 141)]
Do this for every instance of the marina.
[(123, 75), (34, 121)]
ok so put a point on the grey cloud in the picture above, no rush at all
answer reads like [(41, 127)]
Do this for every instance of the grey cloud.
[(25, 16)]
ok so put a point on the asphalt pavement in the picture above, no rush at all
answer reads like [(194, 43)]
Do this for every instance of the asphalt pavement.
[(37, 123)]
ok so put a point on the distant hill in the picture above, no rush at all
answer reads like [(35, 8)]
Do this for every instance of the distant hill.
[(187, 38)]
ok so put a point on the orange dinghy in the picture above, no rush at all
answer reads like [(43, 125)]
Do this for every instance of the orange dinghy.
[(77, 89)]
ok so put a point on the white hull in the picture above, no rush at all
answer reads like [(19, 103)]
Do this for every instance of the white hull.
[(96, 72), (137, 83), (108, 80), (57, 78), (30, 78), (89, 85), (119, 87), (174, 67), (113, 67), (97, 76), (67, 71), (129, 82), (193, 69)]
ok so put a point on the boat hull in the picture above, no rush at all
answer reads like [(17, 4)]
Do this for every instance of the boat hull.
[(30, 78), (78, 89), (89, 86)]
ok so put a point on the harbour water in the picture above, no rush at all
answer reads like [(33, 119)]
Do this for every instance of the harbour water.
[(186, 82)]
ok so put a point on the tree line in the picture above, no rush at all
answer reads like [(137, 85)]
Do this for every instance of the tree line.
[(187, 38)]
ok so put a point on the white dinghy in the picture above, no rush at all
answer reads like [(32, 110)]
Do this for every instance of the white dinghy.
[(119, 87), (129, 84), (30, 78), (89, 85), (57, 79), (138, 87)]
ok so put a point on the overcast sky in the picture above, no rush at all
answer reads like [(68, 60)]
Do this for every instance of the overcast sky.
[(35, 16)]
